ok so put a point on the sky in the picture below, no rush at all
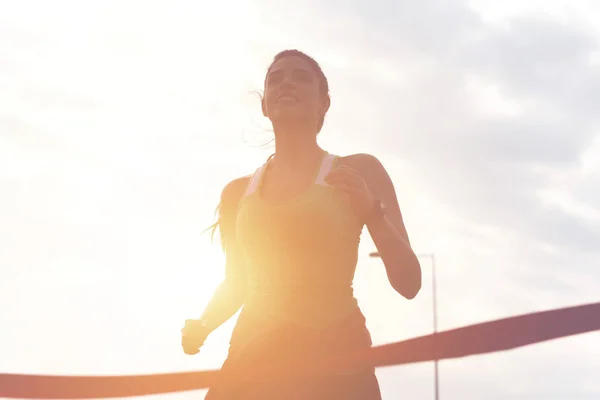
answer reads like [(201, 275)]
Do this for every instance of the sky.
[(121, 121)]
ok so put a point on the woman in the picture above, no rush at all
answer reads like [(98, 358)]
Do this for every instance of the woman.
[(291, 234)]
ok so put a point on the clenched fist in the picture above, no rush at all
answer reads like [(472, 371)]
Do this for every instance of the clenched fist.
[(193, 335)]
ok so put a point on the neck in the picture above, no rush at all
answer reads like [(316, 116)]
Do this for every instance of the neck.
[(295, 148)]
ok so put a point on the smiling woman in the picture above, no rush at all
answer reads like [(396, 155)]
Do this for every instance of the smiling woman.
[(291, 233)]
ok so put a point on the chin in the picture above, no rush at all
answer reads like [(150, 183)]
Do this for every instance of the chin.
[(290, 118)]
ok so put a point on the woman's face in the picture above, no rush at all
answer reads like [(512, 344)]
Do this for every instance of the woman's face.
[(293, 92)]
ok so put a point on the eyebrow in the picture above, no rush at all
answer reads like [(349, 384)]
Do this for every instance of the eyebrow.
[(280, 71)]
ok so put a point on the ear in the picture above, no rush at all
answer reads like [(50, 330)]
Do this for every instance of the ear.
[(263, 106), (326, 104)]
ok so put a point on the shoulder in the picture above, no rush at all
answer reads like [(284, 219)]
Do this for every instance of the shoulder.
[(371, 170), (366, 164), (231, 195), (234, 190)]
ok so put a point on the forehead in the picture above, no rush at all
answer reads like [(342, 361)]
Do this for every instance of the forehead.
[(290, 63)]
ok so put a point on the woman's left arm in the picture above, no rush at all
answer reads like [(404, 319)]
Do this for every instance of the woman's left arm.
[(368, 184)]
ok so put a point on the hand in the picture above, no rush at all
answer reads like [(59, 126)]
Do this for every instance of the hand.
[(193, 335), (351, 183)]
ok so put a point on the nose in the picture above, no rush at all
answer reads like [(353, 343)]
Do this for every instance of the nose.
[(287, 81), (286, 84)]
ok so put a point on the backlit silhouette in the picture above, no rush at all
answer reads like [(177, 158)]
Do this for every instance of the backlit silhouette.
[(291, 233)]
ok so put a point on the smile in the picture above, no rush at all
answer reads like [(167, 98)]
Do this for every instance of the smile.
[(287, 97)]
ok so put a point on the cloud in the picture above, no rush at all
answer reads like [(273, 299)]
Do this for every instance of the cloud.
[(488, 117), (489, 167), (490, 132)]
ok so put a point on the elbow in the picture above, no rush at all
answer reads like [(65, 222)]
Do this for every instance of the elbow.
[(412, 291), (408, 290), (239, 292), (408, 284), (235, 289)]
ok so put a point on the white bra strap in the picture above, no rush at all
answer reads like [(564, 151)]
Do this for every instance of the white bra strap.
[(326, 167), (254, 181)]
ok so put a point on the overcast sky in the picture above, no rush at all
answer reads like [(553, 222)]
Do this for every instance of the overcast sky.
[(121, 121)]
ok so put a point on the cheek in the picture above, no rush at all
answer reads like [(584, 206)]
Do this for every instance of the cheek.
[(268, 103), (312, 99)]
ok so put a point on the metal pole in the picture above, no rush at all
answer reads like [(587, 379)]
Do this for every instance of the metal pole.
[(434, 295), (436, 384)]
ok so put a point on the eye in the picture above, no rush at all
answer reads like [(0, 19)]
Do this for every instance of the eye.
[(275, 77), (301, 75)]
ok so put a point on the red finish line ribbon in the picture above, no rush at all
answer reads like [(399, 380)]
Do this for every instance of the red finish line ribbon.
[(483, 338)]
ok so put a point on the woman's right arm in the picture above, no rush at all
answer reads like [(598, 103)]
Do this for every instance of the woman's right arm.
[(231, 293)]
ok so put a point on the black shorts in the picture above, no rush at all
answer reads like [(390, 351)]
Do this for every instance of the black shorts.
[(254, 349)]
